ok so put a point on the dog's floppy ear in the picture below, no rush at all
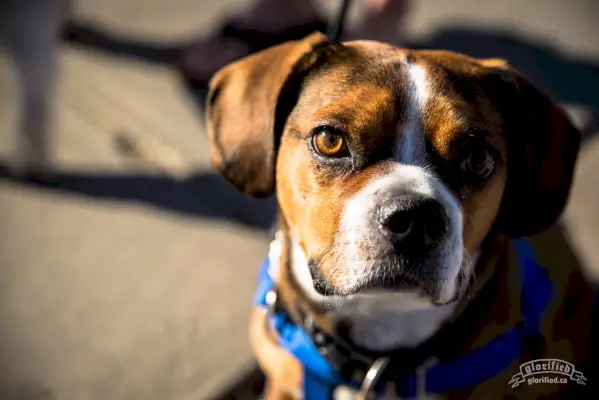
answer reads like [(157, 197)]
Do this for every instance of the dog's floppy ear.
[(542, 151), (246, 102)]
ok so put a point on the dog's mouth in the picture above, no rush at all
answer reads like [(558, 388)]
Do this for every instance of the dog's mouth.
[(402, 282), (425, 287)]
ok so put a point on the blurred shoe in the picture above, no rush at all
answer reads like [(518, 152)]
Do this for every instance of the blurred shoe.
[(232, 42), (383, 21)]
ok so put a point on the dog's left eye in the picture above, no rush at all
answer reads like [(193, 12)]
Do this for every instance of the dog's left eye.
[(480, 163), (330, 143)]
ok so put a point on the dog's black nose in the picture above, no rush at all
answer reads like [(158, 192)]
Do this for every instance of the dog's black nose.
[(414, 224)]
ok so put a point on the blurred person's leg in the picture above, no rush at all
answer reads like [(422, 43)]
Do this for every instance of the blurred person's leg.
[(31, 37)]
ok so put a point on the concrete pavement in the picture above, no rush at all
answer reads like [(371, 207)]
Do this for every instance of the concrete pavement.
[(127, 284)]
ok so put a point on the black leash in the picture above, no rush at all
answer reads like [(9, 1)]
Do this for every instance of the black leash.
[(337, 23)]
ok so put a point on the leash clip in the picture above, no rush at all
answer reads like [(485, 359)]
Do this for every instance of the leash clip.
[(377, 368), (372, 377)]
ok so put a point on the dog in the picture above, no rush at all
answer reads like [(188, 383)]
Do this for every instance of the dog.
[(413, 187), (29, 32)]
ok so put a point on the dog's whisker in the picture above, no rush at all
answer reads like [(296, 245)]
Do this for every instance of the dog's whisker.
[(467, 282)]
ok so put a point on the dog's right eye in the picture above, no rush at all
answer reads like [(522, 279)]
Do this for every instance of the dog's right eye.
[(328, 142)]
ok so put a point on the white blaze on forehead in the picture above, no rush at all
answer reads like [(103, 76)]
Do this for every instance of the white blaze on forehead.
[(410, 139)]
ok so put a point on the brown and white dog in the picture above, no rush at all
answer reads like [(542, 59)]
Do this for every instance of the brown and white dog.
[(402, 177)]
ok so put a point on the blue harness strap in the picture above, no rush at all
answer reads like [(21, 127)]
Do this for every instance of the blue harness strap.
[(320, 377), (537, 289)]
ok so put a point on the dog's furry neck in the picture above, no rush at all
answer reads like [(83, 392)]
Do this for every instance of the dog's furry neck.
[(379, 322)]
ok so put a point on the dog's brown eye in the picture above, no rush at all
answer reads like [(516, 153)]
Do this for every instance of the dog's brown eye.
[(479, 163), (329, 143)]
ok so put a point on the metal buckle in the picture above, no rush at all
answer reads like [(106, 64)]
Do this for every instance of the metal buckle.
[(372, 377)]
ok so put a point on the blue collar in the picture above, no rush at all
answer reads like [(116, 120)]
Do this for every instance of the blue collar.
[(320, 378)]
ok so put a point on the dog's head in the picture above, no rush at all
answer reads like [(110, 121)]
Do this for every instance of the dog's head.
[(391, 165)]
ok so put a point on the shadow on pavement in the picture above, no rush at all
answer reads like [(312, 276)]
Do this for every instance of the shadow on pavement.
[(94, 36), (203, 195)]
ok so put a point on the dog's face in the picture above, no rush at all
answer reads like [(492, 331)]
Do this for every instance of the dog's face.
[(391, 166), (389, 172)]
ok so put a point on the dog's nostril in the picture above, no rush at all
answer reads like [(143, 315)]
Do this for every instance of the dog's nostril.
[(435, 226), (399, 223), (417, 226)]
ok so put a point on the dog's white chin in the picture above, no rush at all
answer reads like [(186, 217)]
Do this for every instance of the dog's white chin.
[(381, 319), (404, 300)]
